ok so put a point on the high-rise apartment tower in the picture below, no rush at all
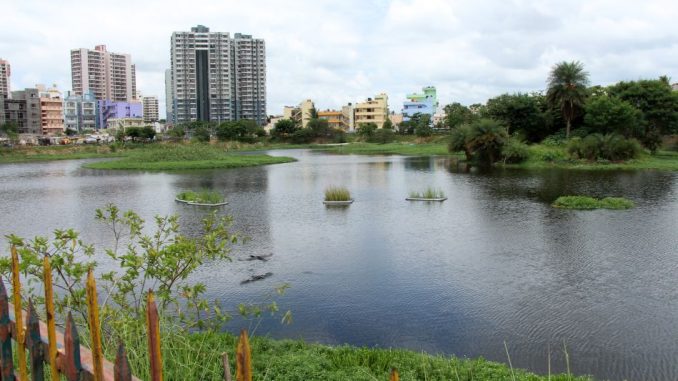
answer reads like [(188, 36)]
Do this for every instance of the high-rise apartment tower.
[(109, 76), (217, 78)]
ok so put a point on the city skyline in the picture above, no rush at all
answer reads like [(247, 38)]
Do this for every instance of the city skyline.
[(339, 53)]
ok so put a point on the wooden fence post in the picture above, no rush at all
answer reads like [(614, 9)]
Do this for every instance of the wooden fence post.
[(19, 335), (94, 327), (153, 326), (243, 365), (71, 365), (6, 362), (394, 375), (51, 324), (121, 370), (34, 343)]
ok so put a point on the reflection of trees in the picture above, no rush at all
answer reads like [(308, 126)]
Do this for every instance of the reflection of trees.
[(423, 163)]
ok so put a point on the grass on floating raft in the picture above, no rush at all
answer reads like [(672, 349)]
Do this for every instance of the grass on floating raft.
[(428, 193), (589, 203), (337, 194), (203, 196), (184, 156)]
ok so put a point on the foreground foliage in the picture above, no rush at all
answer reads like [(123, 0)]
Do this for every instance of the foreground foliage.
[(589, 203)]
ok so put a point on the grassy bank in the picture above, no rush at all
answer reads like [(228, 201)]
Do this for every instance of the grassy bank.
[(545, 157), (185, 157), (590, 203), (199, 355), (71, 152), (399, 148)]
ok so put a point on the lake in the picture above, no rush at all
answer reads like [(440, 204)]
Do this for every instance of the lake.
[(493, 264)]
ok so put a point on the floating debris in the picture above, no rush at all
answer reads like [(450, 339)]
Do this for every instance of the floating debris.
[(255, 278)]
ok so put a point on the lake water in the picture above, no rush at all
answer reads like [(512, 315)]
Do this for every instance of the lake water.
[(494, 263)]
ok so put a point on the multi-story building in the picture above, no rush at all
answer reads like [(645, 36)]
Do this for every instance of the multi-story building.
[(169, 106), (109, 76), (51, 110), (348, 113), (335, 119), (117, 110), (675, 87), (425, 102), (150, 109), (23, 109), (301, 114), (4, 79), (80, 111), (216, 77), (372, 111)]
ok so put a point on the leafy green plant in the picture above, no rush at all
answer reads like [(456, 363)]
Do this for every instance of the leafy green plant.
[(612, 147), (589, 203), (428, 193), (204, 196), (335, 193), (515, 151)]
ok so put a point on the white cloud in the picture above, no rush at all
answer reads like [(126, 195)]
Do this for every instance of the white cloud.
[(339, 52)]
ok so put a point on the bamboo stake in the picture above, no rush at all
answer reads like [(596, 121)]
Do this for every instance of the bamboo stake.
[(20, 335), (243, 365), (153, 326), (94, 327), (51, 324)]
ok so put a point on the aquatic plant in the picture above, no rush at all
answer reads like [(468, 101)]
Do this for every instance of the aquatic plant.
[(334, 193), (589, 203)]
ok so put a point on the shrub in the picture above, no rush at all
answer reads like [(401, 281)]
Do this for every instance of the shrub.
[(366, 130), (303, 136), (201, 134), (515, 151), (334, 193), (382, 136), (608, 147)]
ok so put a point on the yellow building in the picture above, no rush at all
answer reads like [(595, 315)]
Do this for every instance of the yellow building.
[(300, 114), (372, 111), (335, 119)]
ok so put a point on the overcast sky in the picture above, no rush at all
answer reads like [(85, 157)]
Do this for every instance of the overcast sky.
[(336, 52)]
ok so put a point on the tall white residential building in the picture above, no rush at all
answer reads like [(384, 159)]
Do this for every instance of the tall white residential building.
[(109, 76), (216, 77), (150, 109), (5, 72), (169, 107)]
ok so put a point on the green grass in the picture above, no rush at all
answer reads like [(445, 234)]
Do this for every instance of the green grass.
[(399, 148), (337, 194), (545, 157), (589, 203), (198, 357), (428, 193), (203, 196), (185, 157), (46, 153)]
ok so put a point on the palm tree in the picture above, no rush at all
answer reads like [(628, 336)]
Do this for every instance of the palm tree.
[(567, 89)]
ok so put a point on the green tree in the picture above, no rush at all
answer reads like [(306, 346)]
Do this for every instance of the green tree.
[(519, 113), (481, 141), (423, 126), (567, 90), (658, 103), (388, 125), (604, 114), (284, 128), (457, 114), (201, 134), (177, 132), (366, 130)]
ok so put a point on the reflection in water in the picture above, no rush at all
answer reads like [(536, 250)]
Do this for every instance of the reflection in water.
[(493, 263)]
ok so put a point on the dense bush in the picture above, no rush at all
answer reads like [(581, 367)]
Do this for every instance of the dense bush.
[(366, 130), (481, 140), (382, 136), (201, 134), (303, 136), (608, 147), (243, 130), (515, 151), (604, 114)]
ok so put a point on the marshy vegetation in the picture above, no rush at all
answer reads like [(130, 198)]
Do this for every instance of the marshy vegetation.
[(203, 196), (429, 193), (336, 193), (590, 203)]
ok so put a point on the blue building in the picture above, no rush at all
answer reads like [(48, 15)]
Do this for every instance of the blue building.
[(422, 103)]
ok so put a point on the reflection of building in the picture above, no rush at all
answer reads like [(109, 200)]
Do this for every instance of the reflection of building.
[(108, 75), (421, 103), (115, 110), (51, 110), (150, 109), (335, 119), (300, 114), (23, 109), (372, 111), (217, 78), (80, 111)]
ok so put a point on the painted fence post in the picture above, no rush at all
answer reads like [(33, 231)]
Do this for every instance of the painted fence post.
[(243, 365), (6, 362), (71, 366), (153, 326), (51, 324), (122, 370), (394, 375), (34, 343), (20, 335), (94, 327)]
